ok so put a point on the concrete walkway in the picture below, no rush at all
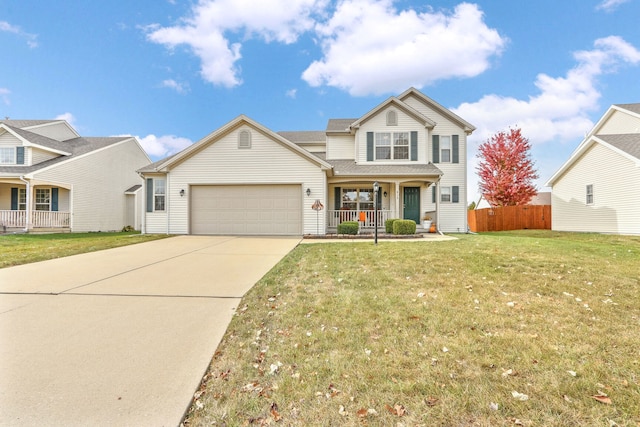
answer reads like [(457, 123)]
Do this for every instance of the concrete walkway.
[(122, 336)]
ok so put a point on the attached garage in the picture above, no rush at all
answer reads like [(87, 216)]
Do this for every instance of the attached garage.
[(246, 209)]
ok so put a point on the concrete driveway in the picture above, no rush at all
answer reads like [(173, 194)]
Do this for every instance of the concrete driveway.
[(122, 336)]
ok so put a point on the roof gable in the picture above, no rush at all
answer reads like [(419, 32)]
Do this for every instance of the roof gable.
[(170, 162), (393, 101), (30, 139), (468, 127)]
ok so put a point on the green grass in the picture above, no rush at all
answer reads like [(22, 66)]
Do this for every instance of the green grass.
[(436, 333), (16, 249)]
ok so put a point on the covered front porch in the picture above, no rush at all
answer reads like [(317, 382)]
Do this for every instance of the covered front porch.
[(27, 205), (397, 198)]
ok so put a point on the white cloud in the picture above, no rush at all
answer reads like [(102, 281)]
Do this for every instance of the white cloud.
[(291, 93), (370, 47), (610, 5), (161, 146), (68, 117), (181, 88), (32, 39), (207, 31), (559, 112), (4, 95)]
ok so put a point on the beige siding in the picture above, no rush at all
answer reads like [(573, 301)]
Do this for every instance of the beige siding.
[(98, 182), (619, 123), (266, 162), (58, 131), (36, 155), (8, 140), (378, 123), (341, 147), (616, 199)]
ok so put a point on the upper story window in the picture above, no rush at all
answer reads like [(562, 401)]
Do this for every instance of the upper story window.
[(445, 149), (392, 145), (244, 139), (590, 194), (7, 156), (392, 118)]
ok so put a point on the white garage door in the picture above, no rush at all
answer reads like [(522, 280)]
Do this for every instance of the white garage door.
[(246, 209)]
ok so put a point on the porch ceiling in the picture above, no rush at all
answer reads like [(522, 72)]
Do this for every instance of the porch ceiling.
[(346, 168)]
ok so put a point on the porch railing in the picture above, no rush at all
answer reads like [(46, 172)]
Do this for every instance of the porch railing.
[(39, 219), (336, 217)]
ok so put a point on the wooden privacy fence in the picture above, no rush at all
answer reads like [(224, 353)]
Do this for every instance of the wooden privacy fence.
[(510, 218)]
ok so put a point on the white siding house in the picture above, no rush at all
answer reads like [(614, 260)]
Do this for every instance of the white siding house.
[(53, 179), (598, 188), (245, 179)]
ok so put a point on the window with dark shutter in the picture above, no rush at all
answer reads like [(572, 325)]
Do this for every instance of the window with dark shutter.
[(414, 146), (436, 148), (455, 194), (369, 146), (455, 149), (20, 155), (149, 195)]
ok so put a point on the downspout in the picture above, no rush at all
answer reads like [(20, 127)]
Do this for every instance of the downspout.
[(27, 202), (437, 184)]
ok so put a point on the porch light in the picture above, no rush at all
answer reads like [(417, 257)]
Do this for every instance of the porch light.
[(182, 193), (308, 192), (384, 194)]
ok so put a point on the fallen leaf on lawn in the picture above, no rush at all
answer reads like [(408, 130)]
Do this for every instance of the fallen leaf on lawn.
[(397, 410), (431, 401), (342, 412), (519, 396), (572, 373), (602, 398), (567, 398), (493, 406), (362, 413), (517, 422), (507, 373), (445, 349), (274, 412)]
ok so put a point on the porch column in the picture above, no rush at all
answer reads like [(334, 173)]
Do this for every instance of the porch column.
[(437, 184), (27, 208), (396, 185)]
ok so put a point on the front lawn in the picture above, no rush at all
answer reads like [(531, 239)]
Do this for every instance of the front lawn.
[(521, 328), (16, 249)]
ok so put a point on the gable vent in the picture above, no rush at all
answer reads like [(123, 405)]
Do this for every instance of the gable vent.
[(392, 118), (244, 139)]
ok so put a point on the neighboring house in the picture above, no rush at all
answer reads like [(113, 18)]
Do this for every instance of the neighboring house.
[(246, 179), (52, 179), (598, 188)]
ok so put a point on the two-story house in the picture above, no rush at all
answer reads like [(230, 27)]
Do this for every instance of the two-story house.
[(246, 179), (52, 179)]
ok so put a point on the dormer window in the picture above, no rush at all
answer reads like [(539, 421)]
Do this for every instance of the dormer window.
[(392, 118), (244, 139)]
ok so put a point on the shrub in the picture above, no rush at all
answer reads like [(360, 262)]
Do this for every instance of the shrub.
[(348, 227), (128, 229), (404, 226), (388, 225)]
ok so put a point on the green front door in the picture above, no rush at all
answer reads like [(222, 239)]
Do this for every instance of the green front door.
[(412, 203)]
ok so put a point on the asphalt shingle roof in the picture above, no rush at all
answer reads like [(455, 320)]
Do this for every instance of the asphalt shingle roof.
[(629, 143), (38, 139), (634, 108), (339, 125), (350, 168), (302, 137), (77, 147)]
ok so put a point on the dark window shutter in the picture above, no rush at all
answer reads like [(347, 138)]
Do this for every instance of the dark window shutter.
[(337, 198), (14, 199), (54, 199), (149, 195), (436, 148), (414, 145), (369, 146), (455, 194), (20, 155), (455, 149), (433, 193)]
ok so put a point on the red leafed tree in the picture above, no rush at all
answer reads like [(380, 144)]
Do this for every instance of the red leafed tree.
[(506, 170)]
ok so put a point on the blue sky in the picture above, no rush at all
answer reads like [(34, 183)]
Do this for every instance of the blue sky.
[(171, 71)]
